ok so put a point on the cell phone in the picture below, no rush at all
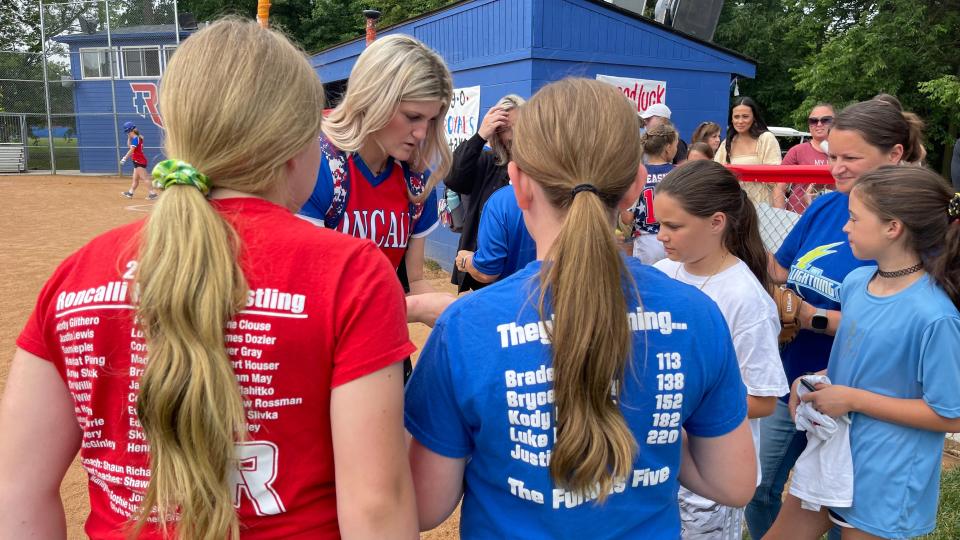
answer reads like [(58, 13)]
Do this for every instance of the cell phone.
[(808, 385)]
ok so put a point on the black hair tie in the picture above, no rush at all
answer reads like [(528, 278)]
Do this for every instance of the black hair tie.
[(583, 187)]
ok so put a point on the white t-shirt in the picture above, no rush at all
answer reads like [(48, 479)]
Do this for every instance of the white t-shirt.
[(751, 315)]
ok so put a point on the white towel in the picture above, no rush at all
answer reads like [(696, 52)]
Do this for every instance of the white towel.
[(823, 475)]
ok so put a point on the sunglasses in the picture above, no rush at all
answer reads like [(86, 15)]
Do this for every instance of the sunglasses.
[(823, 120)]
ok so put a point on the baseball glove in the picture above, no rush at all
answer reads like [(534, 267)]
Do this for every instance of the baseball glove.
[(788, 307)]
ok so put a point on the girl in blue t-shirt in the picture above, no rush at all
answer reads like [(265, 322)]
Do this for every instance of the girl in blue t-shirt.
[(893, 363), (568, 394), (813, 261), (659, 145)]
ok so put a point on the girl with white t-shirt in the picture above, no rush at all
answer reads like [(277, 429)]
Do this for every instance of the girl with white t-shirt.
[(709, 231)]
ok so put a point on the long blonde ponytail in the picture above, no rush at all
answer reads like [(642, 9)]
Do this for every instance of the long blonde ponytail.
[(238, 102), (574, 132)]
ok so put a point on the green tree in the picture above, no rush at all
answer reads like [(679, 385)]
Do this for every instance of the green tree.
[(907, 49), (778, 34)]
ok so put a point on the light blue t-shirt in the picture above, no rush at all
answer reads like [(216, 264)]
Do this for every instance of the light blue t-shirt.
[(503, 243), (817, 256), (902, 346), (482, 390)]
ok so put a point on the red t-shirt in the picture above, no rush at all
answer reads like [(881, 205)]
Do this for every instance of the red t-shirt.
[(801, 154), (323, 309)]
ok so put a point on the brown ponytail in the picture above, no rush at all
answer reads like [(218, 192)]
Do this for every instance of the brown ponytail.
[(591, 339), (921, 200), (704, 188), (884, 125)]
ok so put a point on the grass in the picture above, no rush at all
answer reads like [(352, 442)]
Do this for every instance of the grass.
[(432, 266), (65, 153), (948, 514)]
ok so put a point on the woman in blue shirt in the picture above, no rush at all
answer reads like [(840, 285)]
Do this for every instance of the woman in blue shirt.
[(893, 363), (503, 243), (569, 393), (813, 261)]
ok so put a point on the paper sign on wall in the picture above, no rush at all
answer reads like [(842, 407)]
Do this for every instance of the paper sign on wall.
[(641, 92), (463, 117)]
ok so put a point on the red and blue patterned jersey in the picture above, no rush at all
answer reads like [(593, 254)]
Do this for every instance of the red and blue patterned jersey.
[(351, 199)]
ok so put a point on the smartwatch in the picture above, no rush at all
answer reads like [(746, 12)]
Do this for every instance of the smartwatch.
[(819, 321)]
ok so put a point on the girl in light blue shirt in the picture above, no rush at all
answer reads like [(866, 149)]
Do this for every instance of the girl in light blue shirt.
[(894, 364)]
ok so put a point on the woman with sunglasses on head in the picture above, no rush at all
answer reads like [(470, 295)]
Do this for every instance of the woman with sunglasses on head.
[(812, 152)]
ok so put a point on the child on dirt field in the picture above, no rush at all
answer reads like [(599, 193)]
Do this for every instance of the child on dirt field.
[(136, 155)]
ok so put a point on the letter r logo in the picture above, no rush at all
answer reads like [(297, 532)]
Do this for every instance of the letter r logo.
[(254, 475)]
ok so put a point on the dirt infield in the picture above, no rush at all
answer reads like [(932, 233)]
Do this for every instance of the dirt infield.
[(44, 219)]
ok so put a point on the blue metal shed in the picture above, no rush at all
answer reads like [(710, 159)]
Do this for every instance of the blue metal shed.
[(517, 46), (140, 56)]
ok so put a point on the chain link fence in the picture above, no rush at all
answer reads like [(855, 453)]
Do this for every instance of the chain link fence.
[(63, 109), (781, 194)]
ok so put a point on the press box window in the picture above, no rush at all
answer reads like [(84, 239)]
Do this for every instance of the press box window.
[(168, 51), (95, 63), (141, 61)]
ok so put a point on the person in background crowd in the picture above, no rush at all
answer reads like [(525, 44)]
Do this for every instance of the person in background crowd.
[(699, 151), (813, 261), (893, 366), (659, 145), (477, 173), (658, 114), (749, 142), (709, 133), (810, 152), (567, 395), (297, 435), (503, 243)]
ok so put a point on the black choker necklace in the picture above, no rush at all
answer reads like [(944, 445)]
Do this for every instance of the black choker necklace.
[(900, 273)]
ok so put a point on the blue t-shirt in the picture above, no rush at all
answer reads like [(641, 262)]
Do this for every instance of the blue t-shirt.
[(482, 389), (319, 202), (818, 257), (902, 346), (644, 222), (503, 243)]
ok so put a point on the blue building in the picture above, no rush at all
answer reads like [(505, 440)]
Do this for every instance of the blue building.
[(140, 55), (517, 46)]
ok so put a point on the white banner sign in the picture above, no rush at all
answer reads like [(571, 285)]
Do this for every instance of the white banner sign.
[(463, 117), (642, 92)]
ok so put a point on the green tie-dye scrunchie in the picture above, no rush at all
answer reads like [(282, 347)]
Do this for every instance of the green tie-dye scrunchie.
[(173, 171)]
